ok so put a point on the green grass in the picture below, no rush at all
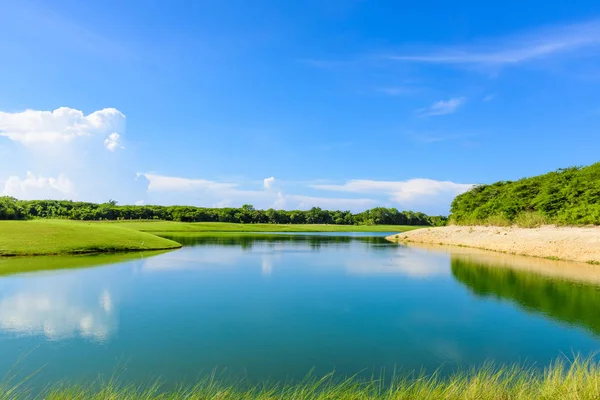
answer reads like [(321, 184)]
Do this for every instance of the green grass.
[(170, 226), (577, 380), (47, 237)]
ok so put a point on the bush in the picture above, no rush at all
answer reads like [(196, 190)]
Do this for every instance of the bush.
[(569, 196)]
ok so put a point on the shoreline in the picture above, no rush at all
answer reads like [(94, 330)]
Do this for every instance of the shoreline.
[(578, 244)]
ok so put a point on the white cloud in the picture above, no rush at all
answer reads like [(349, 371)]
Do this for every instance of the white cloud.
[(201, 192), (442, 107), (517, 49), (489, 97), (412, 191), (113, 141), (268, 182), (140, 202), (35, 187), (68, 143), (62, 125), (164, 183)]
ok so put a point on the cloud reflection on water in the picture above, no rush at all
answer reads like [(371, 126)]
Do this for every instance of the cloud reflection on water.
[(267, 258), (57, 315)]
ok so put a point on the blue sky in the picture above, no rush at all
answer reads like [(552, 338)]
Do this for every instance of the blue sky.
[(291, 104)]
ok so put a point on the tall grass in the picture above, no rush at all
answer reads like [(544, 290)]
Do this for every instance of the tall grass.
[(579, 379), (526, 219), (531, 219)]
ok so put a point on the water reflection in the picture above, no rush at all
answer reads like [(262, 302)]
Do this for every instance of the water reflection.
[(370, 255), (57, 314), (273, 307), (248, 240), (22, 265), (576, 303)]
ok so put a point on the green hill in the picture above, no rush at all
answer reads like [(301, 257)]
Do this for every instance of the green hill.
[(569, 196)]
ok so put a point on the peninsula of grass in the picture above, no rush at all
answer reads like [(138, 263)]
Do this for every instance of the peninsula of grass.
[(49, 237), (52, 237), (578, 380)]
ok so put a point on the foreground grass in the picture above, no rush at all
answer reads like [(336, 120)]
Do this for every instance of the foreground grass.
[(181, 227), (578, 380), (47, 237)]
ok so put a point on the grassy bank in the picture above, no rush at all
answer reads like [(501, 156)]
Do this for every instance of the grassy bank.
[(50, 237), (191, 227), (579, 380), (46, 237)]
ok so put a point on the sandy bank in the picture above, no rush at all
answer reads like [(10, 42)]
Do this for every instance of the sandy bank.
[(580, 244)]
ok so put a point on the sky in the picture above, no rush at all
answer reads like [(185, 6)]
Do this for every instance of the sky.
[(339, 104)]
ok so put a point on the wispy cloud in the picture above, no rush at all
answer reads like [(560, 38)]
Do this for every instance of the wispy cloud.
[(442, 107), (517, 49), (435, 137), (395, 90), (399, 191)]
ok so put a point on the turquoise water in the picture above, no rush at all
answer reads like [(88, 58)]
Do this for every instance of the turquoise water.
[(275, 307)]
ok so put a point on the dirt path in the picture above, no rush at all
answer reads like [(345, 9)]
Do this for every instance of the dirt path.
[(564, 243)]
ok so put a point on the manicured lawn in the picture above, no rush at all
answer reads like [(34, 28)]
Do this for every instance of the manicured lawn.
[(25, 238), (47, 237)]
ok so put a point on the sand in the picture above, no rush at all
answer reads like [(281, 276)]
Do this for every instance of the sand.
[(581, 244)]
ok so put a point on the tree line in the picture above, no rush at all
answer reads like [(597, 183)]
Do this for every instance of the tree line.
[(13, 209), (568, 196)]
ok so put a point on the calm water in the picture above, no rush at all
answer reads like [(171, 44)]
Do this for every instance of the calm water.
[(274, 307)]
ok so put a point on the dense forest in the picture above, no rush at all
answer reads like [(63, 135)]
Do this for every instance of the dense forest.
[(11, 208), (569, 196)]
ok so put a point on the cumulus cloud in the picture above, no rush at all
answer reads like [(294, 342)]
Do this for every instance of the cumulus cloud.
[(62, 125), (67, 143), (113, 142), (39, 187), (442, 107), (268, 182)]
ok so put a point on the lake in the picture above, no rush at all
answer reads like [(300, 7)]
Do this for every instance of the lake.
[(274, 307)]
